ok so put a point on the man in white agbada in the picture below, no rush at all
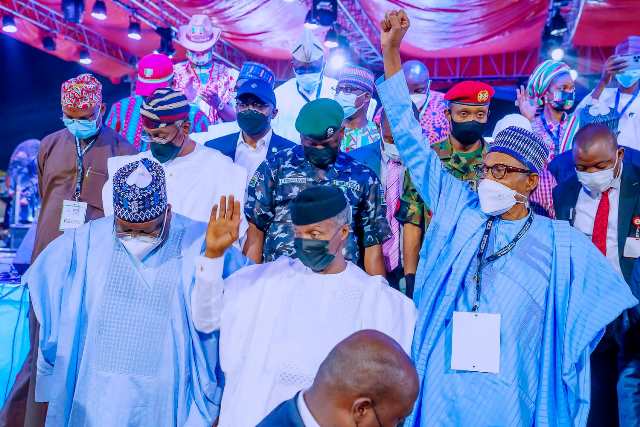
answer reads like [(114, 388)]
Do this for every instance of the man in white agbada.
[(309, 83), (279, 320), (117, 345), (196, 176)]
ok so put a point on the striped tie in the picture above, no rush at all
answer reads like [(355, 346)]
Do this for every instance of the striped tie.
[(391, 248)]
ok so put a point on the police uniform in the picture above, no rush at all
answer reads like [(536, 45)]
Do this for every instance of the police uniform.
[(281, 178)]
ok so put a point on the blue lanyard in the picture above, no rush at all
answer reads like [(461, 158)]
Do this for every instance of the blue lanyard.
[(482, 262), (79, 166), (555, 138), (626, 107)]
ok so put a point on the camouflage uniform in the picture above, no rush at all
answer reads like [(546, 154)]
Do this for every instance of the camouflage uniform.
[(279, 180), (461, 165)]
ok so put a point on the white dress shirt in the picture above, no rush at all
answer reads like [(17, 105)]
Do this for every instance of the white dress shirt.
[(585, 216), (305, 414), (249, 157)]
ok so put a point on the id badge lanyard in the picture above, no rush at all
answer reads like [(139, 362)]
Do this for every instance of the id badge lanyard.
[(628, 104), (79, 166), (482, 262)]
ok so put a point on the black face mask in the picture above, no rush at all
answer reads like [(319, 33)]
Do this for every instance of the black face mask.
[(313, 253), (467, 133), (321, 157), (253, 122)]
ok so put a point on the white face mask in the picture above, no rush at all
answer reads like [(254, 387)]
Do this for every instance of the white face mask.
[(348, 103), (391, 150), (597, 182), (496, 198), (419, 99), (309, 81), (141, 246)]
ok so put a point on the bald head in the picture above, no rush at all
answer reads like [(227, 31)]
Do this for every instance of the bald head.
[(416, 75), (595, 148), (366, 372)]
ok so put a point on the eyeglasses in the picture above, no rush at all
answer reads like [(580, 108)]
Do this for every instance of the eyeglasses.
[(499, 170), (349, 89), (152, 237)]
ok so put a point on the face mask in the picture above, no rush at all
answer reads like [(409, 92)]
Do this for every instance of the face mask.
[(313, 253), (200, 59), (496, 198), (419, 99), (253, 122), (348, 103), (81, 129), (321, 157), (467, 133), (597, 182), (628, 78), (309, 81), (391, 150), (562, 100), (141, 246)]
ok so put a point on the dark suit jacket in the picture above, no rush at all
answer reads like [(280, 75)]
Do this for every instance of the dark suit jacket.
[(562, 167), (227, 145), (285, 415), (565, 197)]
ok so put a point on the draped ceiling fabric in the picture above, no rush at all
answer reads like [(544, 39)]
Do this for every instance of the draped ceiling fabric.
[(265, 29)]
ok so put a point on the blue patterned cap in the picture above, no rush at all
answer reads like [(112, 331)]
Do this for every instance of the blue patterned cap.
[(139, 191), (523, 145), (256, 71)]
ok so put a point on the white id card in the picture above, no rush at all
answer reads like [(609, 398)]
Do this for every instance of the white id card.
[(73, 214), (631, 248), (476, 342)]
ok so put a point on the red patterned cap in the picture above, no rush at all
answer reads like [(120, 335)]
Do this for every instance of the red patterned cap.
[(154, 71), (470, 93), (81, 92)]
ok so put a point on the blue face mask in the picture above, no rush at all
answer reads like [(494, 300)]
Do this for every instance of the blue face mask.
[(628, 78), (348, 103), (309, 81), (81, 129)]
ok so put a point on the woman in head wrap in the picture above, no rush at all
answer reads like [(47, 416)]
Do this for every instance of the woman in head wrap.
[(546, 101)]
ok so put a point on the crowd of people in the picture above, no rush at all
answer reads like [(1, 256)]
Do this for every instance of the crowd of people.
[(216, 250)]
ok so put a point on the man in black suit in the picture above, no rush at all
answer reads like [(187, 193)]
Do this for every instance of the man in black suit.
[(600, 195), (255, 107), (366, 380)]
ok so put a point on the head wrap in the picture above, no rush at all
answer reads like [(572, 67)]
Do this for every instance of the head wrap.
[(523, 145), (357, 76), (139, 191), (630, 46), (84, 91), (320, 119), (317, 203), (256, 71), (154, 71), (542, 76), (470, 92), (165, 106), (517, 120), (308, 48)]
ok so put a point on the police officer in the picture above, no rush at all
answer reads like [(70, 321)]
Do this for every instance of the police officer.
[(318, 161), (460, 152)]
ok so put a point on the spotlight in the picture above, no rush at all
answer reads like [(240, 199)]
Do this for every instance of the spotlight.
[(99, 11), (9, 24), (166, 41), (557, 54), (72, 10), (85, 58), (331, 39), (574, 74), (310, 22), (135, 31), (49, 43), (557, 25), (337, 60)]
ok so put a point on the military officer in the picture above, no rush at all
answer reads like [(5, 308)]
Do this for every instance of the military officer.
[(461, 152), (318, 161)]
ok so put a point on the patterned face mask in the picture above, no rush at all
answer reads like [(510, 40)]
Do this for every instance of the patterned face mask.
[(200, 58)]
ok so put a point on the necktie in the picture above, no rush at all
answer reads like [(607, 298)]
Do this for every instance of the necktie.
[(391, 247), (599, 236)]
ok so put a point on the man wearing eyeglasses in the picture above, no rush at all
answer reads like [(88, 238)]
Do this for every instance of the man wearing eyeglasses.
[(117, 343), (196, 176), (256, 141), (510, 304)]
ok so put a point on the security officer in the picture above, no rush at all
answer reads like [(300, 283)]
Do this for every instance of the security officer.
[(318, 161), (461, 153)]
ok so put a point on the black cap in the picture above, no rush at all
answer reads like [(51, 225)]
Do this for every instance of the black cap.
[(315, 204)]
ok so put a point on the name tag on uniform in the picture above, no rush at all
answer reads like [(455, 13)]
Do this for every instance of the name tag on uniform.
[(476, 342), (631, 248), (73, 214)]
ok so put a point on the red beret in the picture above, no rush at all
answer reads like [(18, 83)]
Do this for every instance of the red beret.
[(471, 93)]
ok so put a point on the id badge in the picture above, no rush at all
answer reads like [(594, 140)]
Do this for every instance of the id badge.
[(73, 214), (476, 342), (631, 248)]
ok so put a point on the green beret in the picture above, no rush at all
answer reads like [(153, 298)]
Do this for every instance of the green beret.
[(320, 119)]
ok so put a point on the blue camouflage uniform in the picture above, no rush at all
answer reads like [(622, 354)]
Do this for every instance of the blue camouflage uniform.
[(279, 180)]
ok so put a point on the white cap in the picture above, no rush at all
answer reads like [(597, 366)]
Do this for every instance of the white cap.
[(517, 120), (308, 48)]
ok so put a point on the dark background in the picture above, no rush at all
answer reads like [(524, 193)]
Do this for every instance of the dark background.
[(30, 82)]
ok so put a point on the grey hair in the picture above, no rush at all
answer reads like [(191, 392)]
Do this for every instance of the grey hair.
[(344, 217)]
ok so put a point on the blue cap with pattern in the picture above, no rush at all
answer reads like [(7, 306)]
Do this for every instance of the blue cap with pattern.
[(139, 191), (256, 71), (523, 145)]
